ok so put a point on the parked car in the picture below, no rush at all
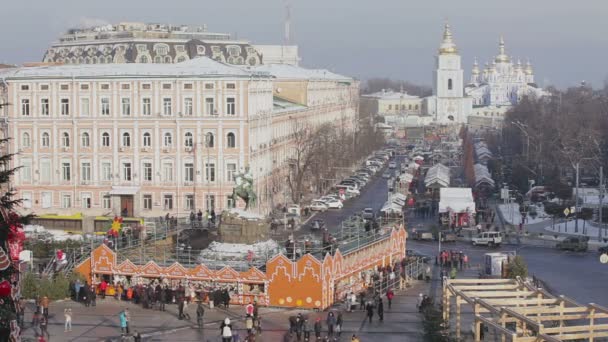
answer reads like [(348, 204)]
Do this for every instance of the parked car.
[(603, 250), (392, 165), (317, 225), (488, 239), (368, 213), (448, 237), (334, 204), (386, 175), (572, 243), (428, 236), (318, 206)]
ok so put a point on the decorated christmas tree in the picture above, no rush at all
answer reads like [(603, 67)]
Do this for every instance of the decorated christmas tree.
[(11, 244)]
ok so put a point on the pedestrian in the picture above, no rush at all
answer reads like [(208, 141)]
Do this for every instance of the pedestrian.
[(465, 260), (36, 322), (124, 328), (255, 309), (419, 302), (331, 323), (389, 296), (93, 295), (353, 301), (370, 311), (299, 326), (67, 313), (162, 299), (249, 324), (318, 328), (381, 310), (226, 330), (137, 336), (362, 300), (249, 309), (44, 324), (45, 306), (460, 259), (200, 312), (103, 286), (306, 329), (180, 308), (339, 322), (21, 312), (453, 273)]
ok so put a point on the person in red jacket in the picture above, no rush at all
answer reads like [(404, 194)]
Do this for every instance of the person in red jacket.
[(103, 286), (389, 295)]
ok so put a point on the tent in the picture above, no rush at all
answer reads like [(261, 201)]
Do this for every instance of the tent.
[(456, 200), (438, 176)]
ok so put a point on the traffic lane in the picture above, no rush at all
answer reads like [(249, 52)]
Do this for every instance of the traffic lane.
[(579, 276)]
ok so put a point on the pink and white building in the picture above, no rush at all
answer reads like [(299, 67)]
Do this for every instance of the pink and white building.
[(159, 138)]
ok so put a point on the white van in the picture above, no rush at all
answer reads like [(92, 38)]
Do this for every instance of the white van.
[(488, 239)]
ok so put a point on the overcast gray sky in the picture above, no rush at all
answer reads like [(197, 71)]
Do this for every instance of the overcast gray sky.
[(567, 41)]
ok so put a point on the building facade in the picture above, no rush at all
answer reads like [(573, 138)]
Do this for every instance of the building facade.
[(160, 43), (156, 139)]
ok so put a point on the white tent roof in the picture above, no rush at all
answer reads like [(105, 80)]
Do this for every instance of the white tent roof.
[(458, 200), (438, 175), (390, 207), (482, 175)]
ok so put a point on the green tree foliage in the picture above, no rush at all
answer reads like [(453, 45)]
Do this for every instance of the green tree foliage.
[(57, 287), (434, 327), (517, 267)]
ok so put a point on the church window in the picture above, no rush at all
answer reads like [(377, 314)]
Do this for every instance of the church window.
[(390, 107), (449, 84)]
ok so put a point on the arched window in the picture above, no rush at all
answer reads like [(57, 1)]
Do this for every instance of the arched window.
[(449, 84), (158, 59), (231, 140), (168, 139), (209, 140), (143, 59), (181, 59), (65, 139), (26, 140), (105, 139), (46, 140), (168, 59), (86, 141), (188, 140), (126, 139), (147, 140)]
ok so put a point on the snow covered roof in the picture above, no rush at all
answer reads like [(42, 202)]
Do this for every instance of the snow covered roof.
[(286, 71), (458, 200), (390, 95), (482, 175), (202, 66), (437, 176), (482, 151)]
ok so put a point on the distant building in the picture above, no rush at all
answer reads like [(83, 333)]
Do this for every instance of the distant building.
[(160, 138), (160, 43)]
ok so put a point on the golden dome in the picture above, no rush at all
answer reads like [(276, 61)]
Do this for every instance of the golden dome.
[(529, 70), (502, 56), (447, 47), (475, 70)]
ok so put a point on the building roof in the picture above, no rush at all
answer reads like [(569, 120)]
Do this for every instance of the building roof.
[(457, 200), (391, 95), (283, 105), (285, 71), (202, 66)]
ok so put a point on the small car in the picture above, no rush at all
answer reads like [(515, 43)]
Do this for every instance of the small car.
[(334, 204), (576, 244), (317, 206)]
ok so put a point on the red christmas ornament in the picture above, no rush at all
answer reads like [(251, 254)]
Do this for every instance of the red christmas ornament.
[(5, 288)]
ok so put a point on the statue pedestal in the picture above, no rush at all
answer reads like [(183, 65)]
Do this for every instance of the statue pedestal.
[(238, 226)]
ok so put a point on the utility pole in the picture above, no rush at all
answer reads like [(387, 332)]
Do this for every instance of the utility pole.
[(576, 201), (599, 234)]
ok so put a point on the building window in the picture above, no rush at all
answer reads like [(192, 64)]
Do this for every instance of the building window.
[(66, 172), (25, 87), (106, 201), (105, 86), (44, 107), (85, 172), (449, 84), (46, 199), (26, 141), (147, 172), (125, 86), (188, 106), (189, 172), (167, 86), (188, 86), (126, 106), (209, 106), (210, 172), (208, 85), (146, 106), (26, 170), (65, 139), (230, 106), (231, 140), (230, 171), (66, 201), (168, 202), (168, 140), (146, 86), (64, 87), (126, 172), (126, 139), (147, 202), (45, 170), (25, 107), (167, 106), (188, 140), (105, 139), (147, 140), (189, 202), (209, 140), (84, 87), (143, 59), (65, 107), (106, 171), (168, 172), (46, 140), (229, 202), (105, 106), (390, 107), (84, 107), (210, 202), (86, 141), (230, 86), (44, 87)]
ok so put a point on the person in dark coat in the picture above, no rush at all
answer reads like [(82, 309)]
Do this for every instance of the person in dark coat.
[(318, 326), (381, 310), (370, 311), (331, 324), (226, 298), (162, 299)]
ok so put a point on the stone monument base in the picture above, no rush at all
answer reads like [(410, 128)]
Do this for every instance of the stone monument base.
[(238, 226)]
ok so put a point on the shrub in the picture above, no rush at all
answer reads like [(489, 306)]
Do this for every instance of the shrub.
[(517, 267)]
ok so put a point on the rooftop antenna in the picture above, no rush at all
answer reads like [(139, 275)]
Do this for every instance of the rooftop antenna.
[(287, 33)]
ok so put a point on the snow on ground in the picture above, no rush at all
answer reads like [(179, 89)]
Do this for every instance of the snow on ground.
[(246, 214), (590, 229), (239, 251), (36, 231), (510, 213)]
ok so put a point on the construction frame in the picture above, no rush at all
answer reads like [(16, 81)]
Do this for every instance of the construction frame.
[(516, 311)]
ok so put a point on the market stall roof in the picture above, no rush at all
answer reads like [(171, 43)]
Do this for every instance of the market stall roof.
[(457, 200), (389, 207), (438, 176), (406, 177), (482, 175)]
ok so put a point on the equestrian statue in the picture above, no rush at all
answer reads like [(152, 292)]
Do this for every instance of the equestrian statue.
[(244, 188)]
